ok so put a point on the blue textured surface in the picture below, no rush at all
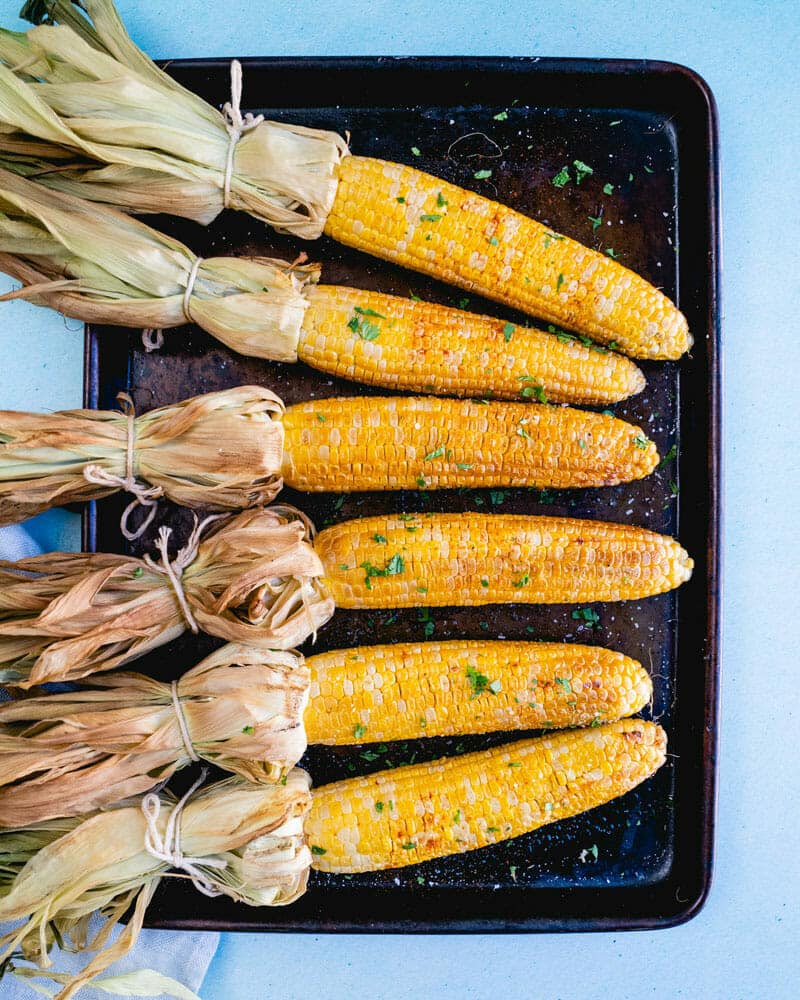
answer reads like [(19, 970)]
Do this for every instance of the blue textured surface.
[(744, 943)]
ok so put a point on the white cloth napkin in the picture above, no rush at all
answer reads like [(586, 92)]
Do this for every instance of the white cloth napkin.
[(180, 955)]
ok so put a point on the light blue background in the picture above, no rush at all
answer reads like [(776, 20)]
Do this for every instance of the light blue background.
[(745, 943)]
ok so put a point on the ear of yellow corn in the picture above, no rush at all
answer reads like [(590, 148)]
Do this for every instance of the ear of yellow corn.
[(418, 346), (411, 560), (374, 443), (422, 222), (411, 689), (411, 814)]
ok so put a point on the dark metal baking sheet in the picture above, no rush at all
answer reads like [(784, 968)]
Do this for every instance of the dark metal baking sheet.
[(648, 129)]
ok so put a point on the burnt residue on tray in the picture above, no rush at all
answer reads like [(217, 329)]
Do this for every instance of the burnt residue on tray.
[(642, 860)]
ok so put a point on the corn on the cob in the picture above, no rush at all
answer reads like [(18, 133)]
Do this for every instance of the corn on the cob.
[(416, 346), (410, 560), (375, 443), (419, 221), (412, 814), (405, 690)]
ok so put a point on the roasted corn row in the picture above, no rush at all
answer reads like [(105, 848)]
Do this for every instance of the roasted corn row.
[(393, 443), (236, 448), (419, 221), (410, 560), (414, 346), (411, 814), (405, 690)]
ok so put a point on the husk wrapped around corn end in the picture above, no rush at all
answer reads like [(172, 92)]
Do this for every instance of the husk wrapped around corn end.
[(220, 451), (471, 559), (254, 579), (101, 266), (410, 814), (55, 875), (411, 689), (241, 709), (166, 149)]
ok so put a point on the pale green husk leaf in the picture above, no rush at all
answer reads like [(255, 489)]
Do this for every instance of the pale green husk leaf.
[(82, 86), (100, 266)]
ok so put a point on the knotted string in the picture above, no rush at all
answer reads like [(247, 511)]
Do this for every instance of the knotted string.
[(168, 847), (144, 496), (236, 124), (173, 568), (153, 339), (184, 727)]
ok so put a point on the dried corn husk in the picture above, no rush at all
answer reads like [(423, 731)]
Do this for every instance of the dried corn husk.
[(220, 451), (241, 708), (98, 265), (255, 579), (84, 87), (246, 841)]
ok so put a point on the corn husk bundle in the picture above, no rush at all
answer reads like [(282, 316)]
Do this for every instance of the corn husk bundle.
[(242, 840), (253, 579), (218, 451), (241, 708), (101, 266), (167, 150)]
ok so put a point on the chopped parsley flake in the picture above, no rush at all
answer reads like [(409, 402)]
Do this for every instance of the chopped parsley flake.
[(501, 116), (559, 282), (415, 151), (463, 303), (457, 816), (248, 730), (508, 331), (321, 417), (515, 763), (581, 170), (641, 442), (401, 200), (496, 497), (670, 455), (595, 221), (484, 582), (359, 731), (611, 253), (482, 175), (535, 391), (648, 170), (410, 846), (380, 539), (480, 683), (608, 189), (441, 201), (586, 615), (561, 178), (437, 453), (138, 571), (361, 325), (379, 807), (494, 241), (564, 682), (430, 218), (463, 466), (523, 581), (395, 566), (318, 850)]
